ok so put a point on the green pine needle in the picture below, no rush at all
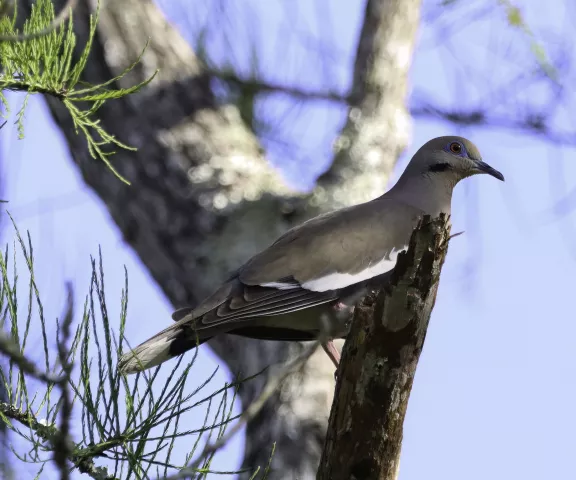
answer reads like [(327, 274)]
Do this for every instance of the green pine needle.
[(46, 65)]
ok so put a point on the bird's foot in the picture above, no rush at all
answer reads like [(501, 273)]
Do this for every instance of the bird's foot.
[(333, 354)]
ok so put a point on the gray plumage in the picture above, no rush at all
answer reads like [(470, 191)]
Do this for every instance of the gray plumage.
[(316, 272)]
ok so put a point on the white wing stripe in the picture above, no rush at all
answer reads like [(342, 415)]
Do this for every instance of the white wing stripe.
[(280, 285), (334, 281), (341, 280)]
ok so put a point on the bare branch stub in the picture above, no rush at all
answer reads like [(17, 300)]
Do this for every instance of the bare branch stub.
[(379, 362)]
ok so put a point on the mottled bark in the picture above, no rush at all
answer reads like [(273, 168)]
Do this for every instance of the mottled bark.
[(203, 198), (379, 362)]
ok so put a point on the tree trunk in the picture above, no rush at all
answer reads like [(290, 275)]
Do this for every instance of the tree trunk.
[(203, 198), (379, 362)]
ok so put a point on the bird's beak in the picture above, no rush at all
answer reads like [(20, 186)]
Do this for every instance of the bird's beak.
[(483, 167)]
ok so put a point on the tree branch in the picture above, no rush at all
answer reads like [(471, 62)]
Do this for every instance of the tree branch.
[(82, 459), (379, 363), (378, 124), (537, 123)]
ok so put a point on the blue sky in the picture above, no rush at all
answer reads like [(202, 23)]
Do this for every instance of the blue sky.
[(495, 389)]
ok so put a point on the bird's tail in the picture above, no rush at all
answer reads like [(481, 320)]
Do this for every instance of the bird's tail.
[(167, 344)]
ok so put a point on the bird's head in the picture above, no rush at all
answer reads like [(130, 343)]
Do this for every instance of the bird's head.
[(456, 157), (435, 169)]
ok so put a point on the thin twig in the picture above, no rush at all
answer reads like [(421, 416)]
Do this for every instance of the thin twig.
[(9, 348), (260, 86)]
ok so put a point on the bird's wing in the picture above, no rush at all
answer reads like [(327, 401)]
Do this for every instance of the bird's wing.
[(336, 250), (250, 301), (311, 264)]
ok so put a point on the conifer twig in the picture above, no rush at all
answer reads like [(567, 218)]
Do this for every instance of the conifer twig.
[(58, 20)]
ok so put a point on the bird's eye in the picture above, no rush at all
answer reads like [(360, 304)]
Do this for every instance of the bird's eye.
[(455, 147)]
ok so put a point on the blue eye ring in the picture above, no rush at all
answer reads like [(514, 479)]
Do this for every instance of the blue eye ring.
[(456, 148)]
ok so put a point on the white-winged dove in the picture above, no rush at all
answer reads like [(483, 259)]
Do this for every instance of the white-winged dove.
[(316, 272)]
